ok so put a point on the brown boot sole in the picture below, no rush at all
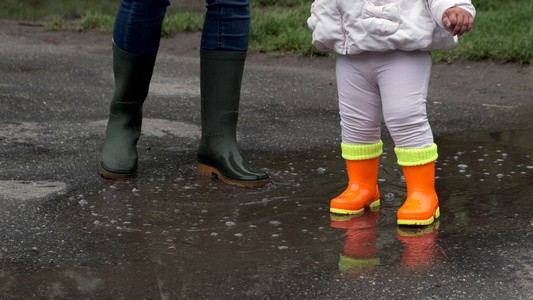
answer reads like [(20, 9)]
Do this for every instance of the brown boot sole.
[(115, 176), (210, 171)]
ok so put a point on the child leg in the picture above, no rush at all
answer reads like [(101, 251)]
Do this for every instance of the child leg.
[(360, 111), (403, 80)]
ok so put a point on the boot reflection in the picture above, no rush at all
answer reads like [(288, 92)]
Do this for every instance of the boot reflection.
[(420, 246), (360, 250)]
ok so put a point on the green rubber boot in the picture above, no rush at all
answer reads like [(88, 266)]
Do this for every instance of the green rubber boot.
[(133, 73), (220, 86)]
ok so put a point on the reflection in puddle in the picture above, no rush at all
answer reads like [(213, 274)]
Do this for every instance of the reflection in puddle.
[(182, 236), (420, 244), (360, 249)]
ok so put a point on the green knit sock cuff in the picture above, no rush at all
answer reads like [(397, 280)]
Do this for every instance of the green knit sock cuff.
[(362, 152), (416, 157)]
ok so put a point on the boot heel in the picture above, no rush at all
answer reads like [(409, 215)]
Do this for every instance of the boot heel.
[(109, 175), (206, 170)]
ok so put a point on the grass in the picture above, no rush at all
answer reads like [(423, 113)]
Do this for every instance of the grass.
[(503, 29), (47, 10), (182, 21), (96, 20), (282, 30)]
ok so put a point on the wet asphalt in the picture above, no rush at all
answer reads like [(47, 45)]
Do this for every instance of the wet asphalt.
[(68, 233)]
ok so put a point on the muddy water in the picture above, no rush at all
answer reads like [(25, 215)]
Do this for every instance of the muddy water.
[(191, 237)]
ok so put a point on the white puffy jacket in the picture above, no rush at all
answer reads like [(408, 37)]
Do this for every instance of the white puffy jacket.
[(353, 26)]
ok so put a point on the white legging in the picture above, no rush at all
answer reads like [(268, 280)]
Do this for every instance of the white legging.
[(388, 85)]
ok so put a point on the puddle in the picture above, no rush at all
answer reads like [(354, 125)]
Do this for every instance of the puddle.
[(26, 190), (188, 236)]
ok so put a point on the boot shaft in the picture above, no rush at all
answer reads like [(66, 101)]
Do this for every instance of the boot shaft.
[(363, 171), (420, 177), (220, 87), (362, 162), (132, 73)]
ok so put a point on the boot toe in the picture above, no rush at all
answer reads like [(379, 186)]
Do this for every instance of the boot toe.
[(345, 207)]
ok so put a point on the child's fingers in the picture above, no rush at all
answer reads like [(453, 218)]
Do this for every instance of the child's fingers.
[(458, 20), (464, 24), (451, 20), (458, 29), (446, 21), (469, 23)]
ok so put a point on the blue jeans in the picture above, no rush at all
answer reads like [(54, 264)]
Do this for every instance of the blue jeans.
[(138, 25)]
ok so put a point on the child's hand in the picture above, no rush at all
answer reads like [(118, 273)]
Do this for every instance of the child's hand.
[(458, 19)]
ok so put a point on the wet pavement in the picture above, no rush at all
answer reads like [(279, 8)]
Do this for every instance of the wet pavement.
[(67, 233)]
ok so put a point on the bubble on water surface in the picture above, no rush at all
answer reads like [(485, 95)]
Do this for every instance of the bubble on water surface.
[(389, 196), (275, 223)]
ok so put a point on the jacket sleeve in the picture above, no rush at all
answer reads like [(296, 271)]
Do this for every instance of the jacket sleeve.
[(438, 7), (325, 22), (311, 22)]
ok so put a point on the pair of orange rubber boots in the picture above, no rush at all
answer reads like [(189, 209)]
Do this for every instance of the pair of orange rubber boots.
[(422, 204)]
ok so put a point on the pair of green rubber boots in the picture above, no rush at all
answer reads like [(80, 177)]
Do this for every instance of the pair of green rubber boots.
[(220, 84)]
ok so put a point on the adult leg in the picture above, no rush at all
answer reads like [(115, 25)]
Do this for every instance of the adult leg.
[(222, 57), (136, 41)]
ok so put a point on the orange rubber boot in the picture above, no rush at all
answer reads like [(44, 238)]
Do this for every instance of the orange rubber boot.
[(422, 204), (362, 190)]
